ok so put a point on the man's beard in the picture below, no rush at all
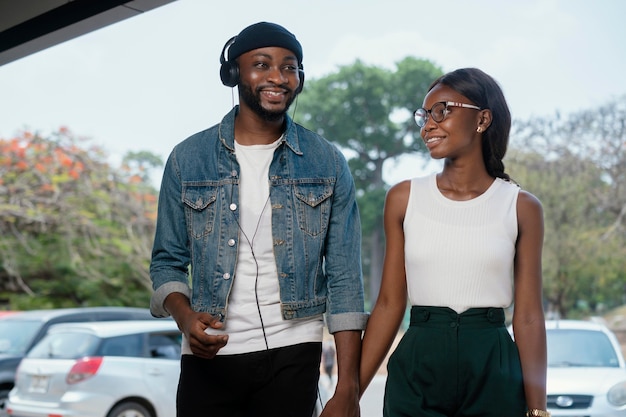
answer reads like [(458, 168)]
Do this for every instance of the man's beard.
[(253, 101)]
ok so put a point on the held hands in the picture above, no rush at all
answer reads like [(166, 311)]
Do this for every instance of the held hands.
[(202, 345)]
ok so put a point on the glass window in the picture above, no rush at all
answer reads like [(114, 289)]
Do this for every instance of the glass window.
[(165, 346), (571, 347), (65, 346), (17, 335), (128, 345)]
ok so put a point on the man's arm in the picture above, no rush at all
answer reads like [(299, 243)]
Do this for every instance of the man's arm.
[(345, 401), (345, 316)]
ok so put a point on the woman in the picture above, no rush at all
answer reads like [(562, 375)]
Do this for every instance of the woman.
[(462, 245)]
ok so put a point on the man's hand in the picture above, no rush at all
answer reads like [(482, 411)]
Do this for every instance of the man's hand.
[(202, 345), (193, 326)]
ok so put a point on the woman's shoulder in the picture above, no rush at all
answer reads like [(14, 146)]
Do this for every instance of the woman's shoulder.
[(528, 200), (529, 208)]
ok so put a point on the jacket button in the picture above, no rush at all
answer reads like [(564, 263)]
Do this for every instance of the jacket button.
[(231, 242), (226, 275), (232, 206)]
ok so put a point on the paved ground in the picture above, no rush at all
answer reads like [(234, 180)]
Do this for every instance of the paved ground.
[(372, 400)]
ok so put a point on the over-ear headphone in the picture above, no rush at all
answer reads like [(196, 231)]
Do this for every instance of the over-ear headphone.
[(229, 71)]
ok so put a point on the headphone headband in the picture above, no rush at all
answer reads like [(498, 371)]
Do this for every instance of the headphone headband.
[(226, 45)]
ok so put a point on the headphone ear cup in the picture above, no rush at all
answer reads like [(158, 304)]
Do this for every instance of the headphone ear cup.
[(301, 86), (229, 73)]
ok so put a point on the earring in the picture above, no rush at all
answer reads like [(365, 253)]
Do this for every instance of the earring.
[(479, 129)]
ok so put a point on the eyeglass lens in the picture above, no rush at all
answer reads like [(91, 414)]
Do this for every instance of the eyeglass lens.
[(437, 112)]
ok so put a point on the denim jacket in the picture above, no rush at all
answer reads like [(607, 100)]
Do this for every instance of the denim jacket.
[(315, 227)]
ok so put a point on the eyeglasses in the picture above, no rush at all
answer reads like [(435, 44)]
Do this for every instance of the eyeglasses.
[(438, 111)]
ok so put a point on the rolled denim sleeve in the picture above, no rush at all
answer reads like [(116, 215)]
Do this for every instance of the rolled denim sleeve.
[(345, 309), (170, 253)]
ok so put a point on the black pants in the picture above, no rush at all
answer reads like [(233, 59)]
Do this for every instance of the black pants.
[(455, 365), (279, 382)]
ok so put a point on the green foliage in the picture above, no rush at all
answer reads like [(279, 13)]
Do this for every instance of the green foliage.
[(577, 168), (74, 231)]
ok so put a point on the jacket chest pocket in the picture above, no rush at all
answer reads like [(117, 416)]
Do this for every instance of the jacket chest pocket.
[(313, 207), (200, 209)]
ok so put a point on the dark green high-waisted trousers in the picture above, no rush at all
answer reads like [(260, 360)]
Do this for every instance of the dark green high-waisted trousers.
[(455, 365)]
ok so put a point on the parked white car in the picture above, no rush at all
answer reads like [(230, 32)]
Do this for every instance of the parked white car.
[(104, 369), (586, 370), (100, 369), (21, 330)]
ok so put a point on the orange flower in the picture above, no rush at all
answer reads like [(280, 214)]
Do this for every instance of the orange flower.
[(74, 174)]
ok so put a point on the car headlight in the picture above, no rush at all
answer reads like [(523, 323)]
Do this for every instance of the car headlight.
[(617, 394)]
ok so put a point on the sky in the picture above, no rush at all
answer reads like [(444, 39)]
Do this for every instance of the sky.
[(150, 81)]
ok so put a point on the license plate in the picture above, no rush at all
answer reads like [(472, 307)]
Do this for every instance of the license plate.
[(38, 384)]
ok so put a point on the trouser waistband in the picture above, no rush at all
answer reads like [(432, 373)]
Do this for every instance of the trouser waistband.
[(473, 317)]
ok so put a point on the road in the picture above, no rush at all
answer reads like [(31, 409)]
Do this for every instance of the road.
[(372, 400)]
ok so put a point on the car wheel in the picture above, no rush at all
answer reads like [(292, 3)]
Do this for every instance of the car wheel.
[(129, 409)]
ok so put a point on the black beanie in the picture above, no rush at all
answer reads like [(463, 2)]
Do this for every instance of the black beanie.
[(262, 35)]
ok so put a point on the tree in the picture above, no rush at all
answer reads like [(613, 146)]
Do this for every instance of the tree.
[(367, 111), (139, 165), (73, 231), (561, 185), (577, 167)]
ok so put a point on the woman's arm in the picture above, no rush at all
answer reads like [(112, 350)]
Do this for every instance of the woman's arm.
[(388, 312), (528, 316)]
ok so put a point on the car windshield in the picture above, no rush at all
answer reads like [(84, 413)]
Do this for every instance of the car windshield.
[(65, 346), (574, 347), (17, 335)]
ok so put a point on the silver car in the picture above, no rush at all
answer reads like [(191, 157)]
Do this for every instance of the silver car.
[(100, 369), (586, 370)]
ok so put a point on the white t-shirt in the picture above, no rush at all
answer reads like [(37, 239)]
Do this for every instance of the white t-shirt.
[(253, 309)]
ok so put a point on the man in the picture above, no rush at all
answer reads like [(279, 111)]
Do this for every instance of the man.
[(260, 213)]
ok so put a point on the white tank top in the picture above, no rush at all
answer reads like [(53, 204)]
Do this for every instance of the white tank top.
[(459, 254), (254, 309)]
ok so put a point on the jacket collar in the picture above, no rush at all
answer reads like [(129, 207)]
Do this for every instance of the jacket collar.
[(227, 132)]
